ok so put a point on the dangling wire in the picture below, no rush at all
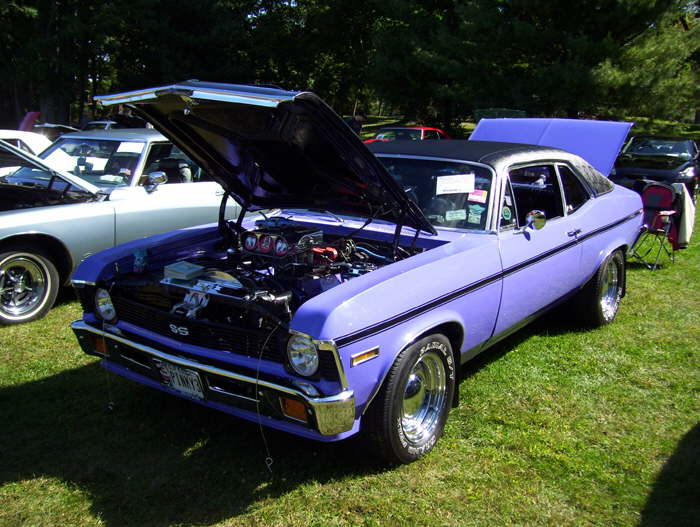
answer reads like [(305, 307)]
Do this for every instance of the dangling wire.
[(268, 457), (110, 399)]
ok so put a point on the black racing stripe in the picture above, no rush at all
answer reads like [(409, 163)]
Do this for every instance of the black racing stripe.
[(406, 315), (609, 226), (535, 259), (412, 313)]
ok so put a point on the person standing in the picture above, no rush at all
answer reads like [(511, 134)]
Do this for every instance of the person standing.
[(356, 121)]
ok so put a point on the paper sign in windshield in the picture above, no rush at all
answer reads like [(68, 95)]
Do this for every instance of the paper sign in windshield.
[(455, 184), (131, 147)]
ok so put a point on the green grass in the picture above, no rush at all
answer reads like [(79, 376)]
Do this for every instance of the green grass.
[(556, 426)]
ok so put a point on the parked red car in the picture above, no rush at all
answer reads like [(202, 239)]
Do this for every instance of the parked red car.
[(413, 133)]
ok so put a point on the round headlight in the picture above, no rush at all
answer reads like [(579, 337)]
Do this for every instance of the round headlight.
[(104, 307), (303, 355)]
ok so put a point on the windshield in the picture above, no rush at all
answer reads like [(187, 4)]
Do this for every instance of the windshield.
[(102, 162), (450, 193), (659, 147), (398, 134)]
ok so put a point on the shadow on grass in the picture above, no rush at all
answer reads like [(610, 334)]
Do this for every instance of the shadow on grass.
[(559, 321), (66, 295), (155, 460), (675, 497)]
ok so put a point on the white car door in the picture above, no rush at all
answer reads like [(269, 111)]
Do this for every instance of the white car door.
[(170, 206)]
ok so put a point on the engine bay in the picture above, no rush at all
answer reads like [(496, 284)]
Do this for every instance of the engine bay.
[(272, 270)]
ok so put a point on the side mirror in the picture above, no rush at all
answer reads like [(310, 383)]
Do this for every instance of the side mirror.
[(535, 219), (154, 179)]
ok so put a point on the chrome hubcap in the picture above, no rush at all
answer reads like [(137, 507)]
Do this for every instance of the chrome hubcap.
[(610, 291), (22, 285), (424, 399)]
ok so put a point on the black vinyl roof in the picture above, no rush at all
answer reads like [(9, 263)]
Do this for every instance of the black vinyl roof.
[(478, 151)]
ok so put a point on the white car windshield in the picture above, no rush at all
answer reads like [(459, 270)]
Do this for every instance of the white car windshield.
[(106, 163)]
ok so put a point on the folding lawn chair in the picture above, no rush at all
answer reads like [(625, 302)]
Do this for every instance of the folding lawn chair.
[(660, 233)]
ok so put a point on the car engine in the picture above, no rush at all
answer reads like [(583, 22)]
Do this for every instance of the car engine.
[(274, 269)]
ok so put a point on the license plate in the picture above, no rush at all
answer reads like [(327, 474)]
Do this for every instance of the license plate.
[(180, 379)]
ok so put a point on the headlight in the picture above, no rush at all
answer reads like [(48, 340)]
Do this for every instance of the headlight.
[(687, 173), (104, 307), (303, 355)]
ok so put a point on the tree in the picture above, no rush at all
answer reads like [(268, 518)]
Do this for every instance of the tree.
[(535, 55)]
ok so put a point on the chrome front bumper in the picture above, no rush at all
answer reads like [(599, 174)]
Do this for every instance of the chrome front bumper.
[(333, 414)]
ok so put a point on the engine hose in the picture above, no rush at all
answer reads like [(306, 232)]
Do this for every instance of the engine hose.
[(373, 254)]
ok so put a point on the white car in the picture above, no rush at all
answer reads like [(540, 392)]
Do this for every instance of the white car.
[(52, 218), (28, 141)]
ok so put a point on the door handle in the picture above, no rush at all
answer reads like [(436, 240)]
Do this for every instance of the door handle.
[(574, 232)]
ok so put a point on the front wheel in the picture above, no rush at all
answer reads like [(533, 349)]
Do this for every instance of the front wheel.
[(599, 300), (28, 285), (409, 414)]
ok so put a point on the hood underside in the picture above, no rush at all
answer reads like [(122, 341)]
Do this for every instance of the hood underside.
[(271, 148)]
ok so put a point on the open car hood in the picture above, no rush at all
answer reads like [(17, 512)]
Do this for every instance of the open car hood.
[(598, 142), (271, 148), (11, 156)]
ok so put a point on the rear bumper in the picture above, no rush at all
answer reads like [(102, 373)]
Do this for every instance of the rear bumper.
[(327, 417)]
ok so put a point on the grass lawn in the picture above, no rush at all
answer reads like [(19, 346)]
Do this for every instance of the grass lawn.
[(556, 426)]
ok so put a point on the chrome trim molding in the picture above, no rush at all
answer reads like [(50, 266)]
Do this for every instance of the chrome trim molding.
[(334, 414), (82, 283)]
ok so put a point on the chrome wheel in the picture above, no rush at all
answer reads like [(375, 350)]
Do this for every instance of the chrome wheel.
[(409, 414), (610, 290), (424, 399), (28, 286)]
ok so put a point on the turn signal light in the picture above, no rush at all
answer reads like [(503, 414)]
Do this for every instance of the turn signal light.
[(294, 409), (100, 346), (363, 357)]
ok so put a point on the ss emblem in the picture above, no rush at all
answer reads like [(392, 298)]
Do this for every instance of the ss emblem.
[(179, 330)]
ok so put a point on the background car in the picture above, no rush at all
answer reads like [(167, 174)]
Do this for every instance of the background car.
[(51, 220), (28, 141), (101, 125), (352, 308), (664, 159), (410, 133), (119, 158), (53, 130)]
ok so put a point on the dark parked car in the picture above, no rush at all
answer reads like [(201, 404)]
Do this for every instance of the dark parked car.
[(665, 159), (407, 133), (351, 307)]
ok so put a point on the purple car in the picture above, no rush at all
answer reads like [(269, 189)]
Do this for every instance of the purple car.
[(359, 280)]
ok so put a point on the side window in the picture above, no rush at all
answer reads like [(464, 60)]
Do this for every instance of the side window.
[(431, 134), (536, 188), (508, 218), (575, 193), (166, 157)]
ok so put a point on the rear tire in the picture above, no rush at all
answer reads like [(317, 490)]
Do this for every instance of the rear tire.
[(29, 284), (599, 300), (408, 416)]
